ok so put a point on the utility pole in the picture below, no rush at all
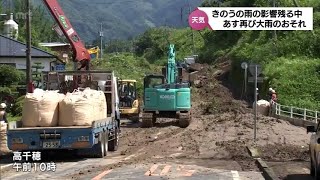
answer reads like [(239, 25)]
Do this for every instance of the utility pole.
[(28, 51), (255, 102), (193, 51), (275, 32), (245, 81), (255, 70), (101, 37)]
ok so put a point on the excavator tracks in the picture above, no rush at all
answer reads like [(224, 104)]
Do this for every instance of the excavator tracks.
[(184, 119), (148, 119)]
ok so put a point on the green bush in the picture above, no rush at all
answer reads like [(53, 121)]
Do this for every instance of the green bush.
[(16, 109), (296, 81), (9, 75), (127, 66)]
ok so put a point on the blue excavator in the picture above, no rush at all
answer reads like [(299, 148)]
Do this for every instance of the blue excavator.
[(166, 96)]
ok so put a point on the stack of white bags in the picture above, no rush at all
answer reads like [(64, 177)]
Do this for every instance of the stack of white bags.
[(3, 138), (50, 108)]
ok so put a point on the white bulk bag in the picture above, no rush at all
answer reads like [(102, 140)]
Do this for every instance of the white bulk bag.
[(81, 108), (41, 109), (263, 107), (3, 139)]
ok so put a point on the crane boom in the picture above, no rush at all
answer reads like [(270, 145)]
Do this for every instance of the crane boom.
[(80, 53)]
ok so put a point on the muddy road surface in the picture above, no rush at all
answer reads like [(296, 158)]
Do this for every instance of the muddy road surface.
[(292, 170), (143, 153)]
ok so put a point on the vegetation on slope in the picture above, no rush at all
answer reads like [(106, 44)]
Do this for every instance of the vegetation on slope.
[(153, 44), (126, 66), (289, 59), (296, 80)]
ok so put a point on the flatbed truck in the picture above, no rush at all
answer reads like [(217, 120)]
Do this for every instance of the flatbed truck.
[(94, 140)]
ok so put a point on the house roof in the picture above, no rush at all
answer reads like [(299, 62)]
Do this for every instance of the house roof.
[(13, 48)]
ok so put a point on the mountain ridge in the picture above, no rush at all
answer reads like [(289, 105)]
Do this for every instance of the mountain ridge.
[(123, 19)]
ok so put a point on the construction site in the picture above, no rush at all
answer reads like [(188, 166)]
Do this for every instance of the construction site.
[(69, 111), (212, 146)]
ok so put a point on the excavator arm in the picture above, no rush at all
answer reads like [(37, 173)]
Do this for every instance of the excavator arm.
[(171, 66), (80, 53)]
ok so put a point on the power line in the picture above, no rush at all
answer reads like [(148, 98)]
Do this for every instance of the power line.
[(101, 39), (28, 51)]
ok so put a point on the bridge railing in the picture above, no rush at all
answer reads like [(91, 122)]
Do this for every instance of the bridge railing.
[(295, 113)]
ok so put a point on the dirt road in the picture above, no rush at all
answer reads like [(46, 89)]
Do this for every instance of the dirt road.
[(212, 147), (190, 169), (137, 158)]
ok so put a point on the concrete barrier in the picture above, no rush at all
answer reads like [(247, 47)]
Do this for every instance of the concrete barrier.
[(267, 172), (296, 121)]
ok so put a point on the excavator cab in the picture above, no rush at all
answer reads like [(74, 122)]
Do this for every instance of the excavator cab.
[(152, 81), (128, 100)]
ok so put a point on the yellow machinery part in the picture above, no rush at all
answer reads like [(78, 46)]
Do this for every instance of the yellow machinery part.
[(133, 110)]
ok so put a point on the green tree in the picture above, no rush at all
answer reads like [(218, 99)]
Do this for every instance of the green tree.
[(9, 75), (119, 46)]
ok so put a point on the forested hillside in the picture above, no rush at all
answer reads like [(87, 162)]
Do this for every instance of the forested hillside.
[(123, 19), (290, 59)]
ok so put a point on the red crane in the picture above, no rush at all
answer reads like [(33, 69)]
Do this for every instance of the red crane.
[(80, 53)]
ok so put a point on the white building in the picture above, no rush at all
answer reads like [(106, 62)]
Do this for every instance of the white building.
[(13, 52)]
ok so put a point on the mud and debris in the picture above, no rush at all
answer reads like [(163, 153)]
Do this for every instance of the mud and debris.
[(221, 128)]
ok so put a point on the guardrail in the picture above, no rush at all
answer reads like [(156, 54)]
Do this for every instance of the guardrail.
[(295, 113)]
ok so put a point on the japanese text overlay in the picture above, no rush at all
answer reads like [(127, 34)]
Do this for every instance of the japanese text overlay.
[(31, 161), (250, 18)]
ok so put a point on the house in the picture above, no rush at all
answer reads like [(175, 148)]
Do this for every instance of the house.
[(12, 52), (62, 49)]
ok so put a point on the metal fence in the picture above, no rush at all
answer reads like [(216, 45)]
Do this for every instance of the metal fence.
[(295, 113)]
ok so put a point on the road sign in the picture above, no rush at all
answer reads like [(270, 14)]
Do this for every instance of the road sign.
[(244, 65), (60, 67), (259, 79), (252, 69)]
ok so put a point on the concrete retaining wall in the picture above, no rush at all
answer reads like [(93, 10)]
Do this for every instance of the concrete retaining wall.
[(296, 121)]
